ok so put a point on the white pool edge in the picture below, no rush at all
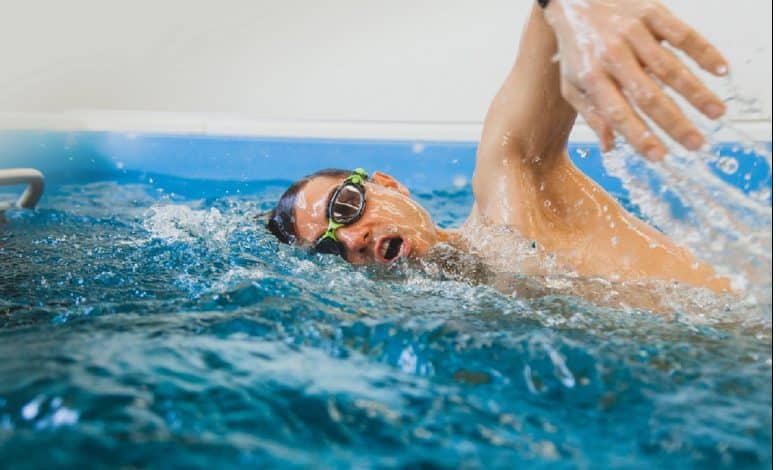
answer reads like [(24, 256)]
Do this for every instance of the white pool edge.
[(127, 121)]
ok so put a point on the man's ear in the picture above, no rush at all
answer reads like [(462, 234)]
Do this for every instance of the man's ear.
[(386, 180)]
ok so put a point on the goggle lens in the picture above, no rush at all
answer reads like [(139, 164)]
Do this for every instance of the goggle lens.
[(347, 204), (345, 207)]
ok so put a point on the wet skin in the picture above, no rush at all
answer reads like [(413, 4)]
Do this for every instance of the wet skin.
[(525, 181), (390, 216), (577, 228)]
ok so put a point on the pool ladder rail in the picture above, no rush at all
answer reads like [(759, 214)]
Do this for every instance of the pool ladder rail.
[(16, 176)]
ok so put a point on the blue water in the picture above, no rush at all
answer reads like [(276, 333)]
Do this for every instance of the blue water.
[(146, 319)]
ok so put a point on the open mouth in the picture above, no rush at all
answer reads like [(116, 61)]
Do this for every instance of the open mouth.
[(390, 248)]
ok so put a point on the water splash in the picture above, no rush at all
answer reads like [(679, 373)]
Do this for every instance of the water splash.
[(685, 197), (299, 359)]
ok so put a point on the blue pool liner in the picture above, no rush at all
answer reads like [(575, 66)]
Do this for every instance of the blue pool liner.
[(71, 157)]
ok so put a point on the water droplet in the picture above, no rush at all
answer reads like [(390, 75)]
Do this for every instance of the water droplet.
[(30, 410), (614, 241), (762, 195), (64, 416), (727, 165), (583, 153), (408, 361), (547, 450)]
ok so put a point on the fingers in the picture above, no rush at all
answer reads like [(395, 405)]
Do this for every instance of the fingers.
[(665, 25), (671, 71), (615, 109), (580, 102), (644, 92)]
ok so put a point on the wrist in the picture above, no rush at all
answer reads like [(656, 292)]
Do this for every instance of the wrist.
[(556, 15)]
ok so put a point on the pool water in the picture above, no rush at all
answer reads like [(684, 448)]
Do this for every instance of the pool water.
[(156, 323)]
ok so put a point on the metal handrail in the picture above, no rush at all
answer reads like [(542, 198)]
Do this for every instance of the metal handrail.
[(29, 176)]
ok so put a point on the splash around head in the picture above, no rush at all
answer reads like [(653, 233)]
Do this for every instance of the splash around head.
[(364, 220)]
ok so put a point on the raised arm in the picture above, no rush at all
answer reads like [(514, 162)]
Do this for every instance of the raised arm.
[(524, 178), (525, 130), (529, 116), (613, 63)]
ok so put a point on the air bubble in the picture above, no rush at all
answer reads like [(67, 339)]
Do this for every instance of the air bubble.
[(728, 165)]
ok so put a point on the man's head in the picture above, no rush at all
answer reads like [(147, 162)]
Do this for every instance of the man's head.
[(392, 225)]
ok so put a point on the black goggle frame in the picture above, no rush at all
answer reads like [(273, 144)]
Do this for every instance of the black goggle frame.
[(328, 243)]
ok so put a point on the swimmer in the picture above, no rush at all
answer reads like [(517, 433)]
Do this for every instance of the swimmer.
[(535, 213)]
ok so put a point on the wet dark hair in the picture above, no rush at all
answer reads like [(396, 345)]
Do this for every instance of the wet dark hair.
[(282, 219)]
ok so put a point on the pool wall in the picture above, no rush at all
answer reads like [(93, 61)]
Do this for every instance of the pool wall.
[(402, 61), (76, 156)]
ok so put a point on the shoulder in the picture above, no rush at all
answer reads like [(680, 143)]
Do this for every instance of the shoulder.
[(520, 190)]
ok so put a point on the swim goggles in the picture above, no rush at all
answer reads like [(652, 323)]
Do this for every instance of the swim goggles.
[(345, 207)]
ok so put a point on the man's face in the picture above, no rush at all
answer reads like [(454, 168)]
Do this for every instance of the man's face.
[(392, 225)]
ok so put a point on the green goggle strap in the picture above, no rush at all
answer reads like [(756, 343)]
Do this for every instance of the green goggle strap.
[(359, 176), (333, 226)]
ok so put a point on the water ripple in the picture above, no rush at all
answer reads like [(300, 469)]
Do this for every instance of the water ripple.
[(154, 331)]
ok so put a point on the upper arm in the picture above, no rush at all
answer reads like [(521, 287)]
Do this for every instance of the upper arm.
[(525, 131)]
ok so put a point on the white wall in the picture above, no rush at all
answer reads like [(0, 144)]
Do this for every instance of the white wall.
[(407, 61)]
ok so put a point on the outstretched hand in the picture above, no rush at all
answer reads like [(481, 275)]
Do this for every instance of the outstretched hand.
[(612, 62)]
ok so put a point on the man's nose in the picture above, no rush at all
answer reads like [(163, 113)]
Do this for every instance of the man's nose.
[(355, 238)]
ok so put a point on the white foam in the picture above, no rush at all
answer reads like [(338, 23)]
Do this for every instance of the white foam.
[(181, 223)]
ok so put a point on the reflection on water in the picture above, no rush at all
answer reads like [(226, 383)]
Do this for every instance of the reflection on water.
[(144, 328)]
